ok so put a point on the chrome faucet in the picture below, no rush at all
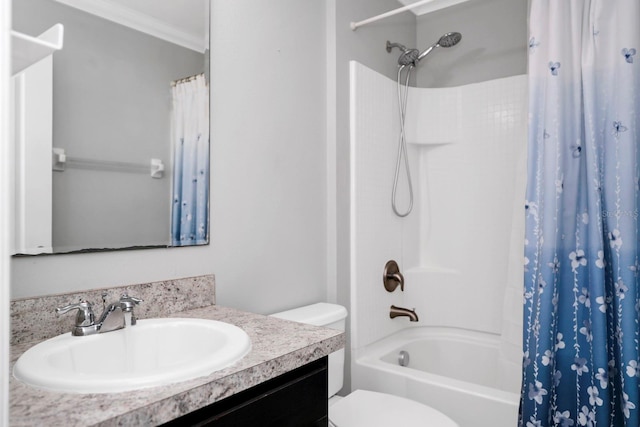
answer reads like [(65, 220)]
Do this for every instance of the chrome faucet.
[(85, 319), (399, 311), (111, 319)]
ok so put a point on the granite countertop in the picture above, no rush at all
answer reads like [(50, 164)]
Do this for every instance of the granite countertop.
[(278, 346)]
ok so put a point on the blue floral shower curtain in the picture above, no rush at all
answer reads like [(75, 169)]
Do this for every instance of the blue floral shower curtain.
[(190, 208), (581, 359)]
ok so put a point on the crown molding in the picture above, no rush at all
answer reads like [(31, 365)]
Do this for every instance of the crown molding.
[(138, 21)]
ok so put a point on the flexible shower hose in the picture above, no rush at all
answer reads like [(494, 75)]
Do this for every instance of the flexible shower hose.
[(402, 143)]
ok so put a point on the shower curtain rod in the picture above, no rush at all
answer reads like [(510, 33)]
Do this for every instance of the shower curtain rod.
[(355, 25), (186, 79)]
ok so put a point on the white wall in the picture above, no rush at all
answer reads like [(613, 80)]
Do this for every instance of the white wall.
[(268, 207), (32, 131), (454, 248), (376, 232), (468, 176)]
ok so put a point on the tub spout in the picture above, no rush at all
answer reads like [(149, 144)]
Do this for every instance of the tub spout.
[(399, 311)]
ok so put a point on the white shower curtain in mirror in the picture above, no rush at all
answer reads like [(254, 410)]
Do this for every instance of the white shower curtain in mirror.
[(190, 209)]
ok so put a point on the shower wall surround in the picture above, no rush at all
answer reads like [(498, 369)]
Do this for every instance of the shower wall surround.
[(454, 249)]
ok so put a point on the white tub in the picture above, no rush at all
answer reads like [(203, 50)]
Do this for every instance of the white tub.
[(455, 371)]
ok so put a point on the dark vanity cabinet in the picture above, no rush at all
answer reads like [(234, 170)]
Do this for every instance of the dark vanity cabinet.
[(295, 399)]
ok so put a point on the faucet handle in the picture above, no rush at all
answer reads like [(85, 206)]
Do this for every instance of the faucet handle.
[(128, 303), (392, 277), (84, 317)]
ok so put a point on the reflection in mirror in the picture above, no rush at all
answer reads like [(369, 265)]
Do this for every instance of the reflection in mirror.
[(120, 120)]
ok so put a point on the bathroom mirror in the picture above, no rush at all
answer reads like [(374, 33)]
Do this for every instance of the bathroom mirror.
[(130, 81)]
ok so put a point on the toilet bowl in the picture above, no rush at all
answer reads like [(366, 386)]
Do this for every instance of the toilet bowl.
[(361, 408)]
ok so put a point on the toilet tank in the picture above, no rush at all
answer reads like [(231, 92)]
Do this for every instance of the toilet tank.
[(329, 316)]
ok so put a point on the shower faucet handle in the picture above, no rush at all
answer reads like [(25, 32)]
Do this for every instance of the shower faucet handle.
[(391, 277)]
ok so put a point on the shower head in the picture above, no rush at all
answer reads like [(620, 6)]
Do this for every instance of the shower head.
[(450, 39), (447, 40), (407, 57)]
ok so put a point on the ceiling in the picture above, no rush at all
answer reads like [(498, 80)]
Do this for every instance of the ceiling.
[(430, 5)]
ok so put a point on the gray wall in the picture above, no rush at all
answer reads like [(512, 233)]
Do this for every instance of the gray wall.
[(494, 43), (268, 165), (112, 101)]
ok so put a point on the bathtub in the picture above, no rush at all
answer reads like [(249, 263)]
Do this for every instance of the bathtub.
[(455, 371)]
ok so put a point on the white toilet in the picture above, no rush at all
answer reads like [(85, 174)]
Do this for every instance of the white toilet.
[(361, 408)]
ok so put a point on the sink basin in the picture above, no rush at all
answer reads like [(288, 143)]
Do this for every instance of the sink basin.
[(152, 353)]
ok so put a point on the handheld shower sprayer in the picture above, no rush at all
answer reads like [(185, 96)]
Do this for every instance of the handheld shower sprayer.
[(447, 40), (409, 59), (414, 56)]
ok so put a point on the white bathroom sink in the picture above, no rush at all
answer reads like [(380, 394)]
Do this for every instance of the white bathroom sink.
[(152, 353)]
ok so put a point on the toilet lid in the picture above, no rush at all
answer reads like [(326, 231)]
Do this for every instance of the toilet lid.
[(364, 408)]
